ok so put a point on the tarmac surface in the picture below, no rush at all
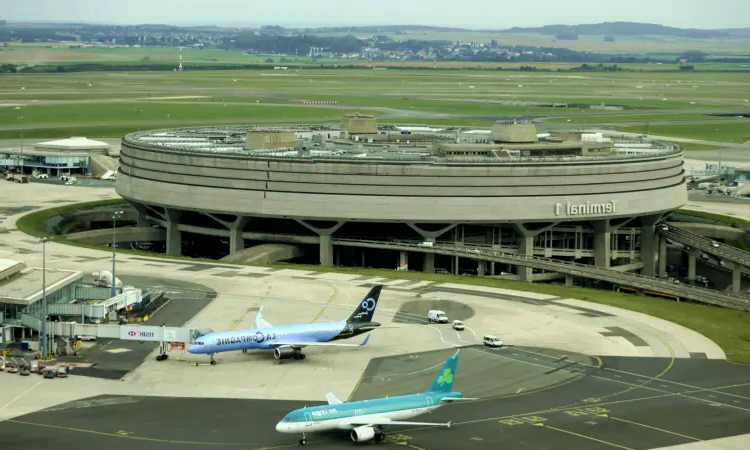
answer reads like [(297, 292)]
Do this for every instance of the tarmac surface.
[(627, 403), (115, 358)]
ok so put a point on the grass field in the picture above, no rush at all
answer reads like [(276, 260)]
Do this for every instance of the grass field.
[(102, 104), (738, 133), (728, 328)]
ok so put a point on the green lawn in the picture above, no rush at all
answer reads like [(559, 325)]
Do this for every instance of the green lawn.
[(590, 118), (737, 133), (729, 329), (102, 113)]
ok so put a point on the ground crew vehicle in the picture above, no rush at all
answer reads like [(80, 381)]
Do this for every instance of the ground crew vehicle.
[(436, 315)]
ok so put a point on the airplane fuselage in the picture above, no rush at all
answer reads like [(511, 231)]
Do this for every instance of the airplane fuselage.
[(273, 337), (340, 416)]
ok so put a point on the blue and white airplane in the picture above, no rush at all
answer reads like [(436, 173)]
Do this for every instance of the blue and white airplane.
[(287, 341), (365, 419)]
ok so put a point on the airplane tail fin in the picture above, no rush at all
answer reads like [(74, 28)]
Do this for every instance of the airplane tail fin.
[(366, 309), (443, 382)]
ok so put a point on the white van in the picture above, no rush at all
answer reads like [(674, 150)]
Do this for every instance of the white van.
[(492, 341), (425, 244), (435, 315)]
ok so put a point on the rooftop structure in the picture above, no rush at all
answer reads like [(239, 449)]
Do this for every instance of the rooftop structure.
[(575, 196), (22, 285)]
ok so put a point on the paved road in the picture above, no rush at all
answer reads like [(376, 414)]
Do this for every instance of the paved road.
[(628, 403)]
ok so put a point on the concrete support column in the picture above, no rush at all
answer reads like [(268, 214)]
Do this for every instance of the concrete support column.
[(662, 257), (403, 258), (525, 248), (174, 236), (142, 213), (692, 255), (736, 279), (568, 280), (492, 267), (455, 265), (363, 256), (326, 250), (326, 242), (649, 245), (236, 242), (429, 263), (602, 243), (481, 268)]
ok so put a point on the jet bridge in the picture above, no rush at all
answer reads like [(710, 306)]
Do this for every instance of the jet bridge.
[(70, 332)]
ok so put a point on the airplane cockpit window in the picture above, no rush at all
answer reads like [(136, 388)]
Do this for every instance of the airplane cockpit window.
[(197, 343)]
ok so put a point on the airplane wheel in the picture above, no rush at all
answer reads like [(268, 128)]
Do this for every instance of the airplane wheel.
[(158, 357), (213, 363), (380, 437), (302, 442), (301, 356)]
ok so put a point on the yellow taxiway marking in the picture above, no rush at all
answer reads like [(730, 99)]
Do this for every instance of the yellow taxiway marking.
[(614, 402), (582, 436), (320, 313), (122, 434), (649, 426), (237, 322)]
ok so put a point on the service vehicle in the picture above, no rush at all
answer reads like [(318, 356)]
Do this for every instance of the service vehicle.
[(492, 341), (458, 325), (436, 315)]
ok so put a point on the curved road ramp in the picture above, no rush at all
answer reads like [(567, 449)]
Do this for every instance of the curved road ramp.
[(265, 254)]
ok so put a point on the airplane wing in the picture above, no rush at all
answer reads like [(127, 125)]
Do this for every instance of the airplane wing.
[(332, 400), (259, 322), (385, 421), (321, 344)]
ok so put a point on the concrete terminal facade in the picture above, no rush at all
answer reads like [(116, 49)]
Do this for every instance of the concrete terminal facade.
[(560, 197)]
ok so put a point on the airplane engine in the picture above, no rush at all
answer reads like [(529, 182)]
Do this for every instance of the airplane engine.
[(362, 434), (286, 353)]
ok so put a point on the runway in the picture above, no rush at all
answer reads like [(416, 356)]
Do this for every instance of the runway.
[(627, 403)]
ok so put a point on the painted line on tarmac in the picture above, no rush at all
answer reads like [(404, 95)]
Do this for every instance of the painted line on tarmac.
[(320, 313), (649, 426), (541, 425)]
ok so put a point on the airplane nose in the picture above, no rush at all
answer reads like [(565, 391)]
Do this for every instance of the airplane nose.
[(280, 427)]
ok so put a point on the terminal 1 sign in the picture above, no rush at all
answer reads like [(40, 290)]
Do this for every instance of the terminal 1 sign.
[(585, 209)]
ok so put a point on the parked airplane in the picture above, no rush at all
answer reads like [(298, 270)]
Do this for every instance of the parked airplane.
[(287, 341), (366, 418)]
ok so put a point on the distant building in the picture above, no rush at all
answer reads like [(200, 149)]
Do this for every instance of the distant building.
[(72, 155)]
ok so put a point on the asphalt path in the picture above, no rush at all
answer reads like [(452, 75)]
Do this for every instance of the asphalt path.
[(627, 403)]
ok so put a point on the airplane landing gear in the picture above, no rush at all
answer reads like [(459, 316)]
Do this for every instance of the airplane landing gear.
[(303, 441), (300, 356), (379, 434), (213, 361)]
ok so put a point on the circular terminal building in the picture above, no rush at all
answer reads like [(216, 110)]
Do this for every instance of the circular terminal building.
[(317, 193)]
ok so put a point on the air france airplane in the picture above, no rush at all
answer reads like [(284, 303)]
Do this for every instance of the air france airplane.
[(365, 419), (287, 341)]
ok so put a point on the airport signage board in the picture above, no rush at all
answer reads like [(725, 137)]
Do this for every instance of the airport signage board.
[(585, 209), (140, 333)]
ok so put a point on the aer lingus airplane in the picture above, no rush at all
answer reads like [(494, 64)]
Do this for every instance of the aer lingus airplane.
[(365, 419), (287, 341)]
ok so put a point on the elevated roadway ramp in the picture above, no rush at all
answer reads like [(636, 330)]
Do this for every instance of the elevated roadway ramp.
[(725, 252), (124, 234), (100, 164), (710, 230), (639, 282), (265, 254)]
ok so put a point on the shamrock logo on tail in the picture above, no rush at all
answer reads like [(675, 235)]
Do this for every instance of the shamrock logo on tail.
[(446, 377)]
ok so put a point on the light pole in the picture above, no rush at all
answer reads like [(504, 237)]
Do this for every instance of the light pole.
[(44, 241), (115, 216)]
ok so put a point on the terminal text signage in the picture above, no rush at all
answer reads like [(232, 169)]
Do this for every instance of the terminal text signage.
[(585, 209)]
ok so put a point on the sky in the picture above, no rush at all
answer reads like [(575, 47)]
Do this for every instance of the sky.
[(474, 14)]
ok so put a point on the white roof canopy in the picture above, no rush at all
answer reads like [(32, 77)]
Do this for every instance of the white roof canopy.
[(74, 143)]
